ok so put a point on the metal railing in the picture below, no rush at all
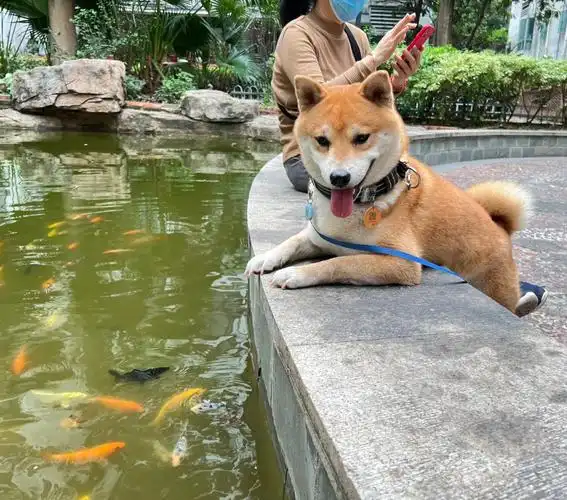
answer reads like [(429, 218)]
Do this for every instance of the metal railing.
[(250, 92)]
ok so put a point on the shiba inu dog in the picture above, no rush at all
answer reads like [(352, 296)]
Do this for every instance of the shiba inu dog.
[(366, 189)]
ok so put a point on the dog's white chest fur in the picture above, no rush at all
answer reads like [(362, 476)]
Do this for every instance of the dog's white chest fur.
[(350, 228)]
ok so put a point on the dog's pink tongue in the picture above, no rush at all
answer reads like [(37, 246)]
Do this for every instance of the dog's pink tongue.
[(341, 202)]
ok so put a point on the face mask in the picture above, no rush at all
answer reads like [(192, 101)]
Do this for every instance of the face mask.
[(347, 10)]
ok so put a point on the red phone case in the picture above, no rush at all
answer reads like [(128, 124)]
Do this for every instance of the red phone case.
[(422, 37)]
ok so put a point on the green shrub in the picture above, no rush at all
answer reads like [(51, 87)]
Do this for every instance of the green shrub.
[(476, 81), (20, 62), (268, 100), (6, 84), (106, 31), (134, 87), (174, 86), (11, 62), (235, 68), (25, 62)]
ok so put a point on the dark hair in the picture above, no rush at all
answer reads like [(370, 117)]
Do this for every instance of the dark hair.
[(292, 9)]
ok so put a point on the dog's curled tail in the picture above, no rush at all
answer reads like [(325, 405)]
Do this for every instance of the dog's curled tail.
[(508, 204)]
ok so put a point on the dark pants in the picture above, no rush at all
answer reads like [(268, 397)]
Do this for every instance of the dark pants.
[(297, 174)]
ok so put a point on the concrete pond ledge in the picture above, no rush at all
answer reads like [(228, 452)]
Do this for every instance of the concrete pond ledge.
[(430, 392), (438, 147)]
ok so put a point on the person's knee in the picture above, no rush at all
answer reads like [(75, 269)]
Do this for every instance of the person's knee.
[(297, 174), (300, 183)]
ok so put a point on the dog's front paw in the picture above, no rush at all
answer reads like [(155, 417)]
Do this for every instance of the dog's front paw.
[(292, 277), (263, 263)]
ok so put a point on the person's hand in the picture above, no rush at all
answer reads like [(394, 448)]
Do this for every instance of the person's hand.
[(393, 38), (404, 67)]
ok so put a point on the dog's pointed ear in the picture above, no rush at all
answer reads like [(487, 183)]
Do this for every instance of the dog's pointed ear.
[(309, 93), (377, 88)]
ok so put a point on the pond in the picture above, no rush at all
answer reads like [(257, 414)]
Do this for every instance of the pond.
[(122, 254)]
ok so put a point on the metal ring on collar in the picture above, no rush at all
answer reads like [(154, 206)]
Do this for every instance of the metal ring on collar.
[(412, 174)]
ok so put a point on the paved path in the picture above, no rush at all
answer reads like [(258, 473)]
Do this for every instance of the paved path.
[(541, 249)]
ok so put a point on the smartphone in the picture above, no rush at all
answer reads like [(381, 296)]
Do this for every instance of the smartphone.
[(422, 37)]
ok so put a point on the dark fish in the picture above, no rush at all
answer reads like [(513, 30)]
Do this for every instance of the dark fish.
[(136, 375)]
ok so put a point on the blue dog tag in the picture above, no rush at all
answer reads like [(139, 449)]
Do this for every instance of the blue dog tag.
[(309, 210)]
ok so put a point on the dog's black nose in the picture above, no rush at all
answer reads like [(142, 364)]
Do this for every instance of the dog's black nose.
[(340, 178)]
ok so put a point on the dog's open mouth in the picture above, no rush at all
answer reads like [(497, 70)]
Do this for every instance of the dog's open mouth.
[(341, 202)]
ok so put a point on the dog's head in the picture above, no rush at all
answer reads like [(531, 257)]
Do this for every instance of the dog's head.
[(350, 136)]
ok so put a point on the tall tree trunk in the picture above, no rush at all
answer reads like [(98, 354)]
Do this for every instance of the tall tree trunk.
[(445, 22), (479, 20), (63, 36)]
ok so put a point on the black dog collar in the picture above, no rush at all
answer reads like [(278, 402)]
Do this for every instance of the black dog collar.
[(369, 194)]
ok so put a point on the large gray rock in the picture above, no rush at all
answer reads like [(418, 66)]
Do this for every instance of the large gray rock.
[(219, 107), (89, 85)]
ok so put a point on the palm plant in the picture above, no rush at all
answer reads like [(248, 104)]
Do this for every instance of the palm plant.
[(163, 28), (33, 13), (228, 23)]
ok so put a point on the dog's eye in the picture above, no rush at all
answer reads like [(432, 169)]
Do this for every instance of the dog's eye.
[(323, 141), (360, 139)]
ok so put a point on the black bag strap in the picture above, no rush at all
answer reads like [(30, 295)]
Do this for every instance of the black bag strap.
[(353, 44), (357, 57), (287, 113)]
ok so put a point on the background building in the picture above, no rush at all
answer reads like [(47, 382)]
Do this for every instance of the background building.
[(382, 15), (539, 39)]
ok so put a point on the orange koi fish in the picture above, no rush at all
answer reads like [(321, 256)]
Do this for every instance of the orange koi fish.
[(133, 232), (96, 219), (150, 238), (86, 455), (122, 405), (47, 284), (117, 250), (79, 216), (55, 225), (73, 246), (20, 361), (175, 401)]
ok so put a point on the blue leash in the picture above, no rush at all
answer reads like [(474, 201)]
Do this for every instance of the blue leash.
[(385, 251)]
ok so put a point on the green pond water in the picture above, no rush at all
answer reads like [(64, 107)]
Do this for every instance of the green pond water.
[(173, 295)]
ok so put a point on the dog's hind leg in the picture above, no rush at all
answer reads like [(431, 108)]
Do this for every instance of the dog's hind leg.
[(500, 282), (298, 247), (359, 269)]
